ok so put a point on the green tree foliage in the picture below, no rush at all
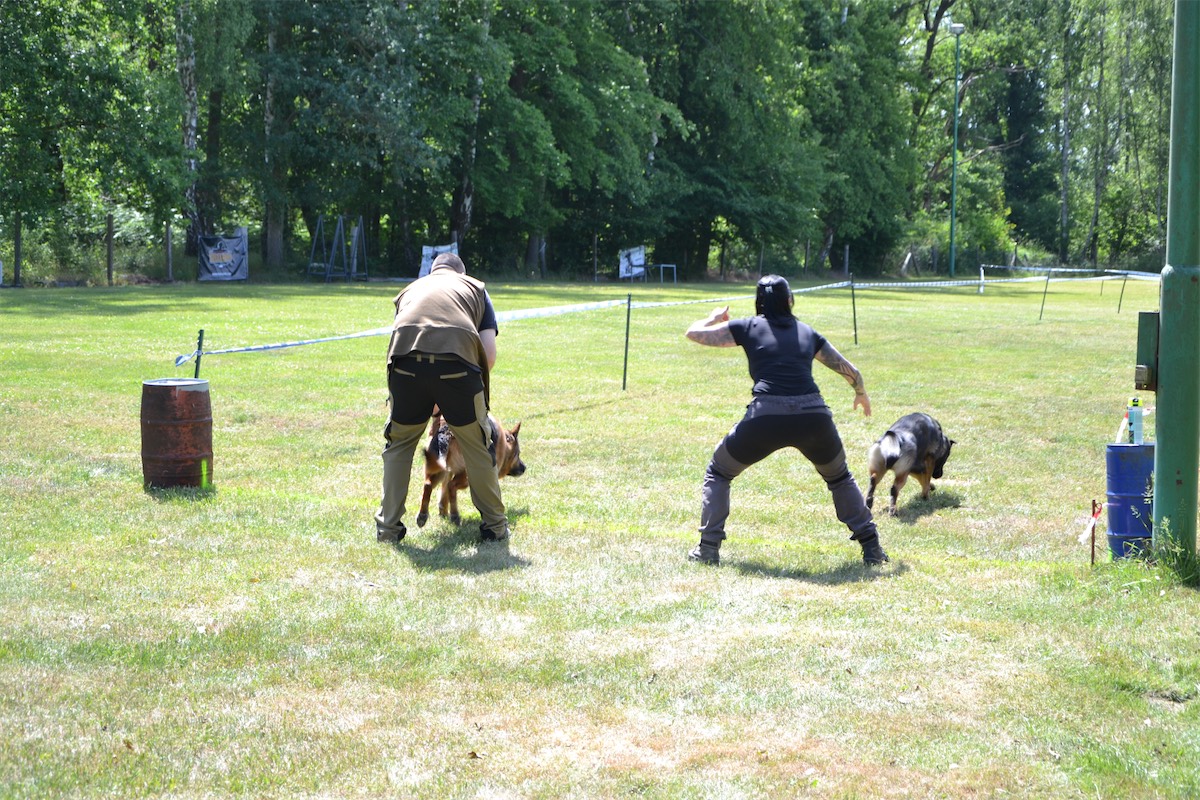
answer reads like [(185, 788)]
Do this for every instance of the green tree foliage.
[(545, 134), (748, 154), (854, 94), (81, 127)]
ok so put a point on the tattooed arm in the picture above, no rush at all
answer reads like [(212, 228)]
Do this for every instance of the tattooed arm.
[(830, 357), (713, 330)]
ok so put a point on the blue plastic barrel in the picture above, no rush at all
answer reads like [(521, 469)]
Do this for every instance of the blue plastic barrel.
[(1130, 498)]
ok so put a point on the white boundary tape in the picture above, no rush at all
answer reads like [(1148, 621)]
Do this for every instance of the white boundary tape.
[(503, 316), (551, 311)]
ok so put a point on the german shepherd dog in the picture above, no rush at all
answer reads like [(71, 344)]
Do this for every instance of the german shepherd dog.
[(915, 446), (444, 465)]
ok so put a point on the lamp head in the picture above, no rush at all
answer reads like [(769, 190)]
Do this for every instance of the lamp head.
[(957, 28)]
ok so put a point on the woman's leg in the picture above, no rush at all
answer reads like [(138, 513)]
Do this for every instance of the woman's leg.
[(822, 445), (752, 441)]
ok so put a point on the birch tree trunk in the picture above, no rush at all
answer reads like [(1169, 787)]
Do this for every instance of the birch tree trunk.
[(1090, 250), (464, 192), (185, 59), (1064, 215), (272, 200)]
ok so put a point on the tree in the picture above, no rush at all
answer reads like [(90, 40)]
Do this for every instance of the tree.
[(80, 125), (855, 97), (732, 71)]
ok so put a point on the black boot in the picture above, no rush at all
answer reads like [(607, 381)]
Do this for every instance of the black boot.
[(705, 554), (873, 555)]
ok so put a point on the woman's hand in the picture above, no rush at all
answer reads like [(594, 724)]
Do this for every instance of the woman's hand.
[(865, 402), (713, 330)]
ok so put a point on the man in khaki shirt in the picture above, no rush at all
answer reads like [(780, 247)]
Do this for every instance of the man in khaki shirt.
[(441, 353)]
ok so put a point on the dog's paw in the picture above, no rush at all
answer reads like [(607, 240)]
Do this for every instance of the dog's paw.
[(422, 518), (455, 519)]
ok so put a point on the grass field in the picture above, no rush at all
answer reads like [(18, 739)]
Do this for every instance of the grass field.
[(255, 640)]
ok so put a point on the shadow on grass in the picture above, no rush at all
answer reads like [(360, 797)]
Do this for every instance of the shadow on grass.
[(458, 548), (850, 572), (912, 512)]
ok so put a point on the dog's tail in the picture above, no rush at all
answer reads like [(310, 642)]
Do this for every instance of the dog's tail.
[(885, 453)]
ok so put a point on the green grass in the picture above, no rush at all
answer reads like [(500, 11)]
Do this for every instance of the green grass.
[(255, 640)]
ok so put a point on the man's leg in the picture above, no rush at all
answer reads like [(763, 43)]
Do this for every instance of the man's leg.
[(479, 454), (402, 441), (460, 398), (411, 406)]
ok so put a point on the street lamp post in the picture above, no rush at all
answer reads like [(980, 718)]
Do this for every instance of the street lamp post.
[(956, 29)]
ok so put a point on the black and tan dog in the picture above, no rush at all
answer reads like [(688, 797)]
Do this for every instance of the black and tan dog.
[(915, 446), (444, 465)]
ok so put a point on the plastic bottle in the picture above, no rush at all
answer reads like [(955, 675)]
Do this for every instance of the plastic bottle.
[(1135, 420)]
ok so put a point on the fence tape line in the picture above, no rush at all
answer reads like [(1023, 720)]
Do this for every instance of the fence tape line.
[(503, 316), (551, 311)]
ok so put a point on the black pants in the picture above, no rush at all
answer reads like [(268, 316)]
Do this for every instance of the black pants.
[(773, 424), (416, 384)]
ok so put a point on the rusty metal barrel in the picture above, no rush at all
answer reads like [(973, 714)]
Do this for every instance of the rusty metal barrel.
[(176, 433)]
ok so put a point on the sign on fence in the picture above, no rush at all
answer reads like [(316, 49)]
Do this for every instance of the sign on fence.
[(224, 258), (430, 252)]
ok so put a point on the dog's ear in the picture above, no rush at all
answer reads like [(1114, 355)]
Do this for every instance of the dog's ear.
[(516, 429)]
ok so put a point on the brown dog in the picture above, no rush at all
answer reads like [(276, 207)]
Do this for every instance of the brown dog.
[(444, 465), (915, 446)]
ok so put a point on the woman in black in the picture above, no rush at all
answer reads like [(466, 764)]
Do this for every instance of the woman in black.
[(787, 410)]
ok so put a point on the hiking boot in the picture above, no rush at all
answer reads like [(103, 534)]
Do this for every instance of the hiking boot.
[(705, 554), (873, 555), (492, 535), (389, 534)]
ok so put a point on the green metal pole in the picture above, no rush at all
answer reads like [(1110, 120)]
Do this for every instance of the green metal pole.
[(1177, 452), (954, 157)]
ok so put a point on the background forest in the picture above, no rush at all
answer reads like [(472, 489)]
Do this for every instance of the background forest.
[(728, 136)]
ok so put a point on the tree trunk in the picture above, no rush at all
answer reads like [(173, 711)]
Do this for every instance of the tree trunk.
[(185, 59), (275, 216), (1090, 250), (1064, 218), (826, 246), (17, 248), (108, 246), (209, 195), (464, 193), (535, 254)]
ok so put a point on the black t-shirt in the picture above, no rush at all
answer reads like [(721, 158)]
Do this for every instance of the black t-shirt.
[(780, 356), (489, 315)]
